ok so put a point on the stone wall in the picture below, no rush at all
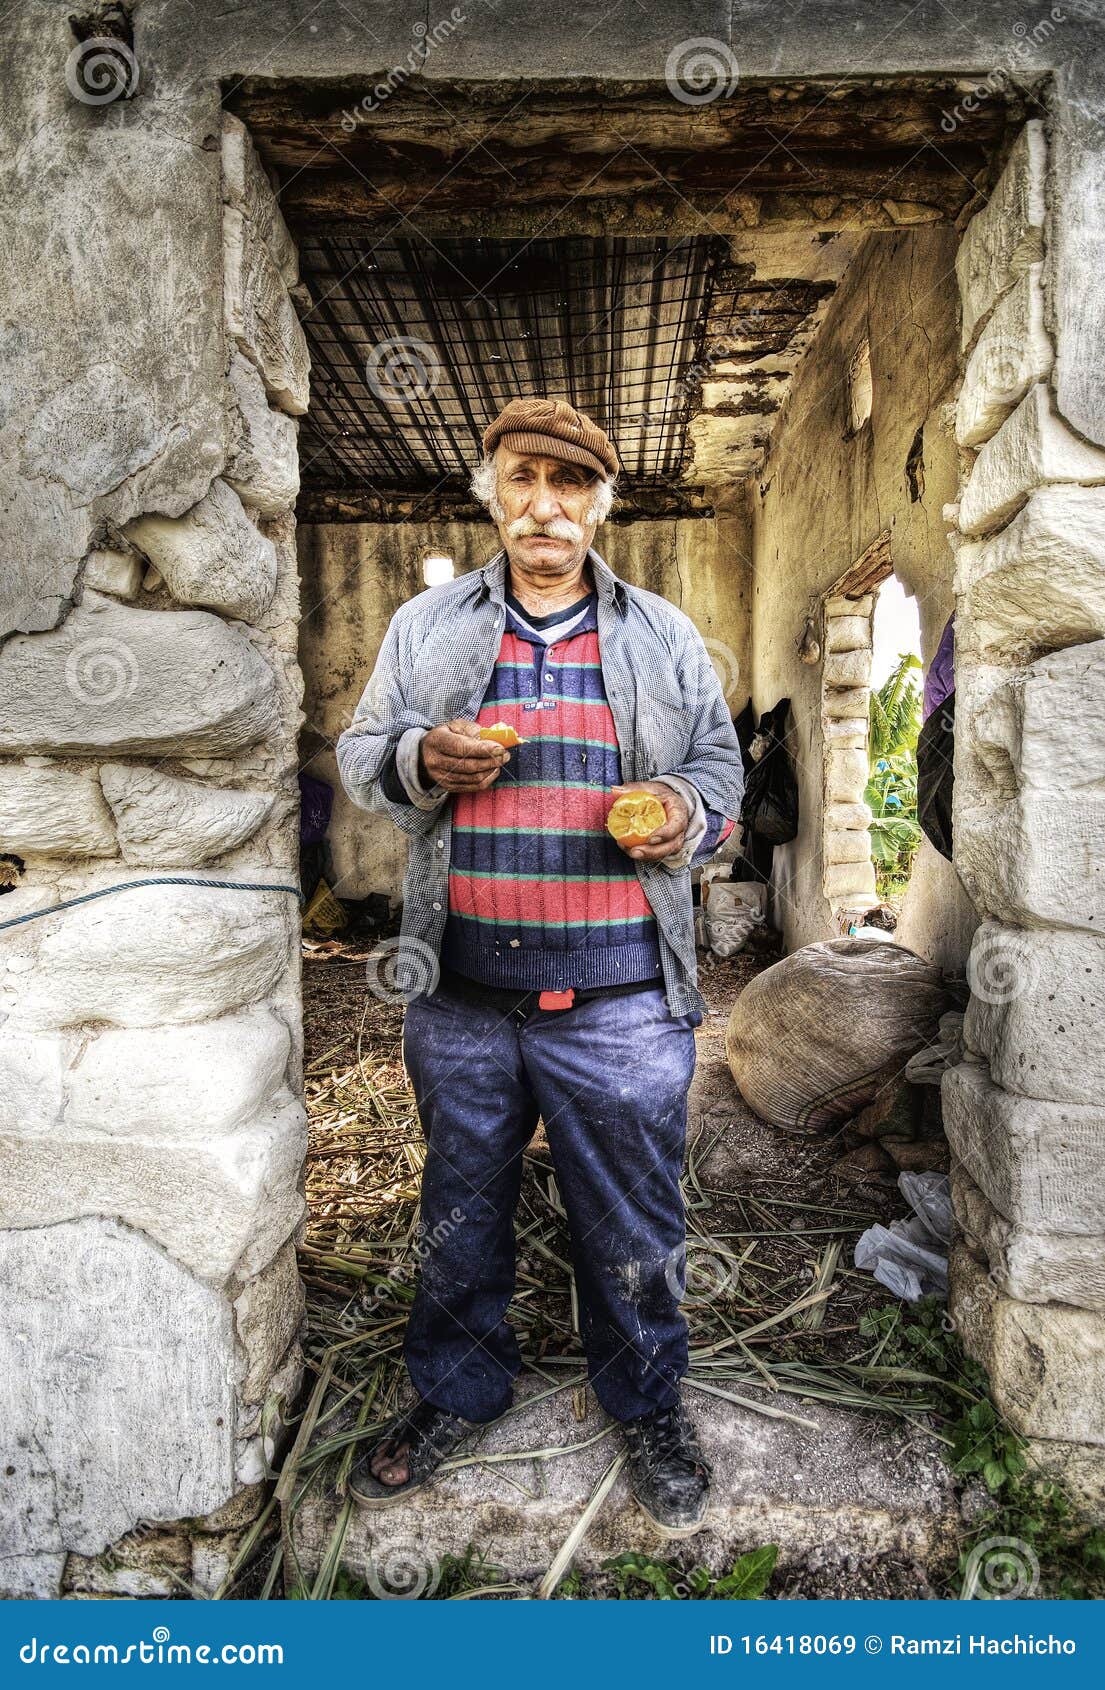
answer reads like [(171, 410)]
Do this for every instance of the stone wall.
[(355, 575), (153, 1133), (829, 493), (1024, 1115)]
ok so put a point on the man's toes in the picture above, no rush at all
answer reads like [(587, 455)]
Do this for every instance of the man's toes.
[(389, 1465)]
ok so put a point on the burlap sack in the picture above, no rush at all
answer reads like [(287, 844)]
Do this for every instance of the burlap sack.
[(810, 1039)]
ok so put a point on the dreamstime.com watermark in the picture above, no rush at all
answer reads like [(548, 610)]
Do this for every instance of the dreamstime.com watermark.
[(1026, 38), (158, 1651), (425, 39)]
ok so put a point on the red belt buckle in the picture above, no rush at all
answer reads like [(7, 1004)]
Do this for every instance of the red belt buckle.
[(557, 1000)]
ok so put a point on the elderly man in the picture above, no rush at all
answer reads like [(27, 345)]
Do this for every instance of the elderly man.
[(549, 971)]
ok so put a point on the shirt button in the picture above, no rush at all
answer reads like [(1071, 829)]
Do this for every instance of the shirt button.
[(441, 844), (437, 906)]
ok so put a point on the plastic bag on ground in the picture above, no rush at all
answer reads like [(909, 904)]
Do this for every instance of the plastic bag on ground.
[(733, 909), (910, 1256), (927, 1067)]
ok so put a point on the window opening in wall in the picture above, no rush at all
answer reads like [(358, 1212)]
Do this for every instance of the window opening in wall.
[(859, 386), (871, 717), (894, 723), (437, 568)]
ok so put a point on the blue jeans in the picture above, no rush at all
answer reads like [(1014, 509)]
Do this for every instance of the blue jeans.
[(609, 1078)]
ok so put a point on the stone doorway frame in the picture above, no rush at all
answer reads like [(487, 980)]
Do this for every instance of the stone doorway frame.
[(848, 609), (1031, 1207)]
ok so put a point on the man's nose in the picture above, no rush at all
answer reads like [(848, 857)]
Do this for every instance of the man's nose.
[(544, 505)]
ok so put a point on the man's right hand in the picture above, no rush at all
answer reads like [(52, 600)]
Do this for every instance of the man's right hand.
[(455, 757)]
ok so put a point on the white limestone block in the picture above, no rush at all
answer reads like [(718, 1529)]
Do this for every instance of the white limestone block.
[(1036, 1267), (260, 317), (1046, 1362), (847, 668), (54, 810), (845, 882), (846, 776), (213, 555), (264, 468), (1033, 446), (267, 1314), (249, 190), (1012, 353), (195, 1081), (847, 633), (146, 956), (847, 732), (1039, 1163), (1048, 720), (217, 1205), (847, 846), (863, 607), (256, 1448), (115, 1390), (840, 816), (1039, 584), (113, 572), (850, 702), (33, 1073), (1029, 806), (164, 820), (283, 618), (31, 1577), (113, 679), (1036, 1000), (1034, 861), (1006, 237)]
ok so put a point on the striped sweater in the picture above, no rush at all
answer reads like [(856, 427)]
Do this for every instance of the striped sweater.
[(540, 895)]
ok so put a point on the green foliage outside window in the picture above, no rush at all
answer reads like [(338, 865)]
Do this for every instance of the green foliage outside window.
[(891, 794)]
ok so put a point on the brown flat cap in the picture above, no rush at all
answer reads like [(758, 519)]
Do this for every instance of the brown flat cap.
[(554, 429)]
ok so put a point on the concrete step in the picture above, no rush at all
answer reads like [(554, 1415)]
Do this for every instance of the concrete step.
[(861, 1485)]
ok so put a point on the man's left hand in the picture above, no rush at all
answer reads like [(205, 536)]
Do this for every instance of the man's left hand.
[(667, 840)]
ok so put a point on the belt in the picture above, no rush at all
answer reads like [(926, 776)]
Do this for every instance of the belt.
[(505, 998)]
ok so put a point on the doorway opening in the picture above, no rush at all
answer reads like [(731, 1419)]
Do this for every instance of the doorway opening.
[(723, 361)]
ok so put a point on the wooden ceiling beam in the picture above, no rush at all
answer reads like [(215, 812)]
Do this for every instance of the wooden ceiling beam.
[(493, 157)]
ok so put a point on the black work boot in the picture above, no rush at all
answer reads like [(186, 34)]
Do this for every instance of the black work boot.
[(668, 1473)]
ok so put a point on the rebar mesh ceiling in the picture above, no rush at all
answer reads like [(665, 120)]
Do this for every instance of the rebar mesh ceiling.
[(415, 346)]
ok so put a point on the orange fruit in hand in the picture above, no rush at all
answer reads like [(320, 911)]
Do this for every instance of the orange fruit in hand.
[(502, 733), (634, 817)]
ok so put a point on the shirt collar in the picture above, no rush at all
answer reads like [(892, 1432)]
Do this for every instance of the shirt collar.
[(611, 588)]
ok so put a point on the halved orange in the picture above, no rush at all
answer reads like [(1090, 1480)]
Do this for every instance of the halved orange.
[(634, 817), (502, 733)]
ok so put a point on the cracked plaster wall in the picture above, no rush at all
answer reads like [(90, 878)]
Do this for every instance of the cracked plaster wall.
[(825, 495)]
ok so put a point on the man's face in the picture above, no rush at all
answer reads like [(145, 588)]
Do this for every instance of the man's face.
[(544, 512)]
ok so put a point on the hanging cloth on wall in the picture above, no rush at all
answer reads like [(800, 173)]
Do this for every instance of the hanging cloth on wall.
[(770, 808), (936, 775), (936, 746)]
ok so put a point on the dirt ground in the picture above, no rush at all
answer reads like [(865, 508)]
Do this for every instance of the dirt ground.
[(772, 1222)]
